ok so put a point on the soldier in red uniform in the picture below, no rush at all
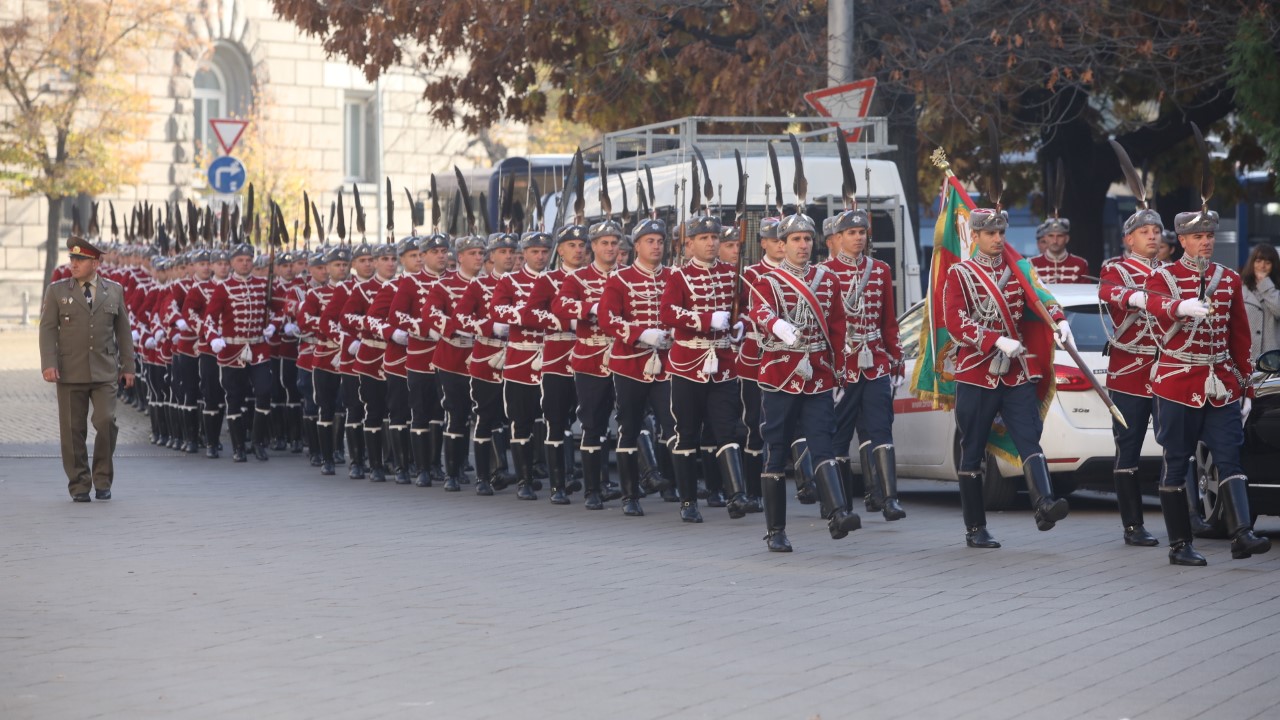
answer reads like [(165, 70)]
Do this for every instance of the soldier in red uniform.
[(317, 277), (697, 304), (559, 397), (629, 311), (1055, 264), (1201, 383), (240, 323), (195, 314), (747, 363), (352, 414), (987, 316), (488, 354), (186, 358), (525, 325), (577, 304), (426, 430), (286, 411), (872, 366), (327, 361), (799, 304), (455, 336), (1131, 352), (361, 322)]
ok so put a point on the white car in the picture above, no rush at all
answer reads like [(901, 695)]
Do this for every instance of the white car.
[(1077, 430)]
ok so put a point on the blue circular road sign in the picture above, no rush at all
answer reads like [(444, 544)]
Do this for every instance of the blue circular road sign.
[(226, 174)]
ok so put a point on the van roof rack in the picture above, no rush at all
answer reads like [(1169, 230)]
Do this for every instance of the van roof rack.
[(671, 141)]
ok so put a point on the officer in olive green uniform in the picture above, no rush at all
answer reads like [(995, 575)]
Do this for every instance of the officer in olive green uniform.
[(85, 347)]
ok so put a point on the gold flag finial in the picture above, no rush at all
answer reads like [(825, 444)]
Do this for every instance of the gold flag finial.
[(939, 160)]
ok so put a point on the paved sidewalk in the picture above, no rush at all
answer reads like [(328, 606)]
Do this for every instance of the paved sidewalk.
[(213, 590)]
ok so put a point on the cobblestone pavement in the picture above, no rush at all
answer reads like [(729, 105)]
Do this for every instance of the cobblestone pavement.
[(212, 590)]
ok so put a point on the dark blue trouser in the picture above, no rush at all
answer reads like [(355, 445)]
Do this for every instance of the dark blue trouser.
[(867, 406), (1137, 413), (1179, 428), (976, 410), (785, 417), (241, 383), (595, 400), (305, 391), (705, 411)]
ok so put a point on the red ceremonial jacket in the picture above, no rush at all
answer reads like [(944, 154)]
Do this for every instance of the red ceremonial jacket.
[(1200, 355), (238, 314), (692, 293), (811, 366), (871, 320), (559, 340), (527, 325), (747, 361), (1131, 351), (408, 314), (489, 351), (325, 354), (195, 307), (439, 313), (579, 294), (629, 305), (1070, 269), (331, 318), (359, 324)]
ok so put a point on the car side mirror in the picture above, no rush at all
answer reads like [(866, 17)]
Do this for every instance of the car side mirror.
[(1269, 361)]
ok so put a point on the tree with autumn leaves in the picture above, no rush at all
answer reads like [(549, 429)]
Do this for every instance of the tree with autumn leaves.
[(1057, 78)]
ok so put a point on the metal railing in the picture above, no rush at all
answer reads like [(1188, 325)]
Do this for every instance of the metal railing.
[(670, 141)]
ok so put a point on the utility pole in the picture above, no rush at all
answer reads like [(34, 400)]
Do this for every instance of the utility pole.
[(839, 42)]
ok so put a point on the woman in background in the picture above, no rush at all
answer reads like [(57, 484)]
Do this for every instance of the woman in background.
[(1261, 279)]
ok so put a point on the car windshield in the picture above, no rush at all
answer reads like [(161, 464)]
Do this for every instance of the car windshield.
[(1086, 327)]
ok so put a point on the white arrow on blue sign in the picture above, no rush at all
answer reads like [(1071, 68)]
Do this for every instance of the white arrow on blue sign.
[(226, 174)]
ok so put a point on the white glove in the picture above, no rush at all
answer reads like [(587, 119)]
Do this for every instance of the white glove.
[(337, 361), (433, 335), (573, 324), (354, 347), (182, 325), (785, 331), (501, 329), (150, 344), (159, 334), (218, 345), (652, 337), (1138, 300), (1063, 335), (1192, 308), (1245, 408), (291, 329), (720, 320), (838, 395), (137, 337), (595, 308), (268, 331), (739, 331), (895, 381), (400, 337), (1009, 346)]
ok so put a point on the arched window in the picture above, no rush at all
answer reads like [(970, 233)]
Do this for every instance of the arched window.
[(210, 100), (222, 87)]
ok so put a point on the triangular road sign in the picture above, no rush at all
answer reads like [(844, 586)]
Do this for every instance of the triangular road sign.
[(228, 131), (844, 101)]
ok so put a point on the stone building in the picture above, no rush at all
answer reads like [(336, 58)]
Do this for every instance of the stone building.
[(317, 119)]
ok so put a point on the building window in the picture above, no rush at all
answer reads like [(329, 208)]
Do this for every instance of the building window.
[(360, 139), (209, 99)]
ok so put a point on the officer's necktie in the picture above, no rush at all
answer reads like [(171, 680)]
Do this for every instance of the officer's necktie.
[(88, 295)]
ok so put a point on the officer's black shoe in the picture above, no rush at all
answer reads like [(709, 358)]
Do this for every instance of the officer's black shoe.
[(101, 494), (754, 504), (1246, 544), (260, 452), (802, 462), (524, 491), (451, 485), (559, 498), (237, 455), (592, 501), (483, 487), (670, 495), (80, 497), (1182, 553), (777, 541), (327, 468), (1048, 510), (610, 491), (1138, 535), (631, 507), (716, 500), (689, 512), (978, 537)]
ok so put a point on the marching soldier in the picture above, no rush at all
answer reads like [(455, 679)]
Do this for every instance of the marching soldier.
[(327, 345), (195, 314), (629, 311), (317, 277), (1131, 351), (1055, 264), (186, 358), (986, 314), (1201, 379), (799, 304), (747, 362), (348, 345), (578, 303), (287, 412), (360, 321), (872, 365), (697, 304)]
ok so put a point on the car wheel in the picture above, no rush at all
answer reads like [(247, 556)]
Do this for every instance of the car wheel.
[(1206, 488), (998, 492)]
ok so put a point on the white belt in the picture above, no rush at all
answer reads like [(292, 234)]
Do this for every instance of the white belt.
[(1197, 358), (525, 346), (864, 337), (777, 346), (461, 342), (491, 342), (704, 344), (564, 336), (595, 341), (244, 340), (379, 344)]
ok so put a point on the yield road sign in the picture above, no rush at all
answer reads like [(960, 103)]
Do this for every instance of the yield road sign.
[(226, 174), (228, 131), (844, 101)]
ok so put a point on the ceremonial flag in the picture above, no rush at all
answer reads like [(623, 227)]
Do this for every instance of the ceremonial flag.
[(933, 378)]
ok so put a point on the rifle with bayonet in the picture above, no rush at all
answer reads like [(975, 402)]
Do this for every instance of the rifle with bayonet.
[(741, 210)]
